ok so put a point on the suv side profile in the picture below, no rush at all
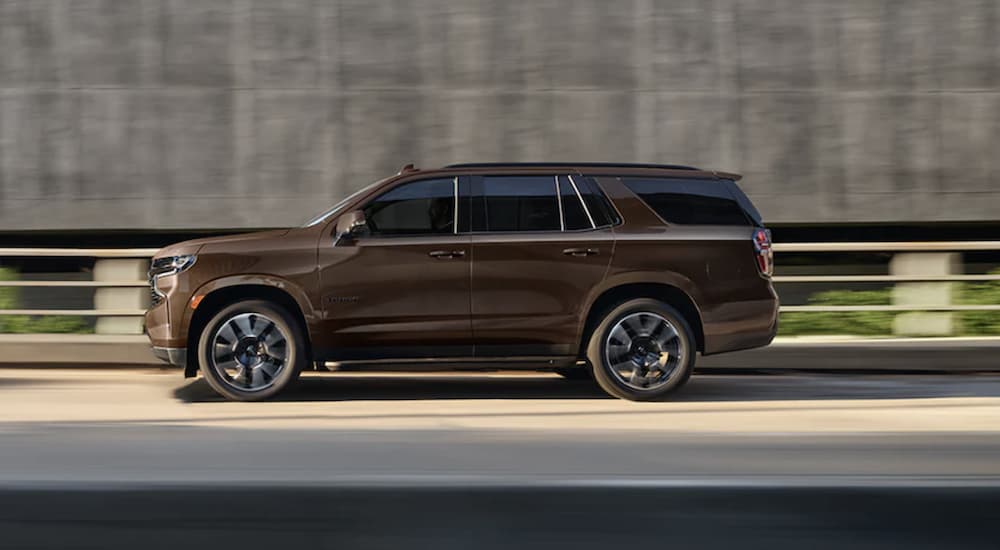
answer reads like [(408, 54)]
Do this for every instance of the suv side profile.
[(626, 271)]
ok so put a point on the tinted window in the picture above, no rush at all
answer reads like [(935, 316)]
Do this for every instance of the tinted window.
[(699, 202), (520, 203), (425, 207), (744, 201), (573, 213), (597, 204)]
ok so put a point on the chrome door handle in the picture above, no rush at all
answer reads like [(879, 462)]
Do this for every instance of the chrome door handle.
[(445, 254), (581, 251)]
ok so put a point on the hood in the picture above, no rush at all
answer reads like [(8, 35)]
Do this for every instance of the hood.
[(195, 245)]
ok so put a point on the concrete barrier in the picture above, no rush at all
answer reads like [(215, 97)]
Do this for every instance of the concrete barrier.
[(76, 349), (890, 354), (921, 294), (120, 298), (896, 354), (167, 113)]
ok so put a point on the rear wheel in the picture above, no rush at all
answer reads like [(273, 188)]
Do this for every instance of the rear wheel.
[(642, 350), (251, 350)]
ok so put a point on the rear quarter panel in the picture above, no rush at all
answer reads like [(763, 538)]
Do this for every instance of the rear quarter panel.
[(714, 265)]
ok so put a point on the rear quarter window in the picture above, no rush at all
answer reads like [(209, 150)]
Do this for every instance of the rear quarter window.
[(690, 201), (597, 204), (744, 201)]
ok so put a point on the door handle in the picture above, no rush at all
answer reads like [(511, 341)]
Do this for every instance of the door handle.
[(445, 254), (581, 251)]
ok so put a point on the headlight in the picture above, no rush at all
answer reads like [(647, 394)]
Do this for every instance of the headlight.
[(162, 267), (171, 265)]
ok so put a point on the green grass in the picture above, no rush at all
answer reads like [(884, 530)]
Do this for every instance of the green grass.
[(861, 323), (979, 323), (41, 324), (879, 323)]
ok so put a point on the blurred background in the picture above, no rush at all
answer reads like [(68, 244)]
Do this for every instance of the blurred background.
[(222, 114), (139, 123), (868, 134)]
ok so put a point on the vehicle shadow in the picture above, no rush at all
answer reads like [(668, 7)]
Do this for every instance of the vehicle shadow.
[(24, 381), (701, 388), (333, 387)]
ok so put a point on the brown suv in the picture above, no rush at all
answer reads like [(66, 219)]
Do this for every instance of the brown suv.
[(624, 270)]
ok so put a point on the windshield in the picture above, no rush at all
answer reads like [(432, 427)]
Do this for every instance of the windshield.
[(337, 207)]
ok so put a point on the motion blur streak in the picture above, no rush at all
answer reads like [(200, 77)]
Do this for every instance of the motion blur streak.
[(689, 517), (221, 114), (130, 123), (128, 459)]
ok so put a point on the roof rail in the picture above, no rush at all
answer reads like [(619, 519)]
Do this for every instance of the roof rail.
[(581, 164)]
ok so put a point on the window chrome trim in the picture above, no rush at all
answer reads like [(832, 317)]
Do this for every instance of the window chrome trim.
[(562, 218), (454, 223), (584, 204)]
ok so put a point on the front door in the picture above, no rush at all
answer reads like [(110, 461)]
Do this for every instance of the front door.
[(402, 289), (537, 254)]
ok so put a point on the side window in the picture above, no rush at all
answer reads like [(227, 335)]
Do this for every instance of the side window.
[(519, 203), (425, 207), (597, 204), (694, 201), (573, 213)]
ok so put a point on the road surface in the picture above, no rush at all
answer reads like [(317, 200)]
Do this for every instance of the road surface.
[(144, 458)]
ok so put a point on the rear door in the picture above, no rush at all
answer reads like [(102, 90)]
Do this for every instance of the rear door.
[(537, 254)]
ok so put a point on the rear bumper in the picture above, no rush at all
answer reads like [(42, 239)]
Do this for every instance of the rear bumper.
[(743, 325), (174, 356)]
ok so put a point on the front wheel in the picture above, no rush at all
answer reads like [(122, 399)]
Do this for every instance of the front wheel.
[(642, 350), (251, 350)]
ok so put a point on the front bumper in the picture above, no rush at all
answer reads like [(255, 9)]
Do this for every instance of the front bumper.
[(174, 356)]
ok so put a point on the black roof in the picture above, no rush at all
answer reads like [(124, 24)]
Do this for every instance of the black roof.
[(580, 164)]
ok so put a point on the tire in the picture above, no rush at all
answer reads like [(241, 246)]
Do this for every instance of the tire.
[(241, 355), (662, 366)]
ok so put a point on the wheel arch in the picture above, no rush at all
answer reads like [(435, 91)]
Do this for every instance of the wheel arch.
[(667, 293), (214, 297)]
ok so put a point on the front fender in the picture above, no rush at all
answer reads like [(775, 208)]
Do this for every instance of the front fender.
[(250, 279)]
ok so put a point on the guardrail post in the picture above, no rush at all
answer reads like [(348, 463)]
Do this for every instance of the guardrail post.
[(121, 297), (924, 323)]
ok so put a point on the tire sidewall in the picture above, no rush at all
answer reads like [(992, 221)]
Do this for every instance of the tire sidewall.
[(602, 371), (295, 361)]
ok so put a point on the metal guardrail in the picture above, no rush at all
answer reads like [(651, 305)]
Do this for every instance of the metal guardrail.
[(78, 252), (99, 253), (964, 246), (936, 246), (883, 278), (893, 247), (954, 307), (868, 247), (80, 312)]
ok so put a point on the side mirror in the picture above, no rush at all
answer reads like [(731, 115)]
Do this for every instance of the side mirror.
[(350, 225)]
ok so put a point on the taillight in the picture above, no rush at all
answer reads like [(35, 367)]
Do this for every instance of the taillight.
[(763, 252)]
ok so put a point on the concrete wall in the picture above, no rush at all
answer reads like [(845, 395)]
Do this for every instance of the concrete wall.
[(245, 113)]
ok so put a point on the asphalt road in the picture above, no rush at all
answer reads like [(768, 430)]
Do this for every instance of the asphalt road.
[(140, 458)]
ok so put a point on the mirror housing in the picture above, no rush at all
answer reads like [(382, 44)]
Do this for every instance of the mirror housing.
[(350, 225)]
